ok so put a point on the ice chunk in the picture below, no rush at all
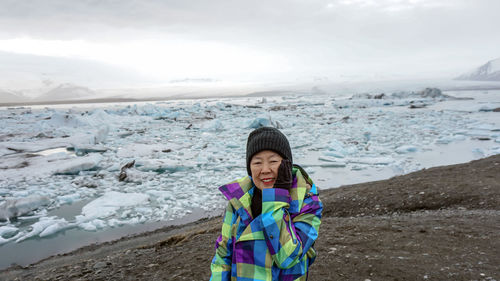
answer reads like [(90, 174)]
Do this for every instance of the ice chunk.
[(58, 225), (334, 154), (12, 208), (75, 165), (332, 162), (160, 196), (163, 165), (231, 144), (101, 134), (44, 227), (336, 149), (8, 231), (110, 203), (213, 126), (116, 222), (65, 120), (93, 225), (372, 160), (81, 150), (333, 165), (69, 198), (3, 240), (444, 140), (260, 122), (406, 149), (141, 150)]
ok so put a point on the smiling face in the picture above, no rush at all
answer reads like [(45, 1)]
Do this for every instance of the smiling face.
[(264, 167)]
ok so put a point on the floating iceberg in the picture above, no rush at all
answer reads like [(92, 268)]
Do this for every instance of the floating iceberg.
[(12, 208), (372, 160), (44, 227), (109, 203), (74, 165), (406, 149), (260, 122), (332, 162), (336, 149), (213, 126), (7, 231)]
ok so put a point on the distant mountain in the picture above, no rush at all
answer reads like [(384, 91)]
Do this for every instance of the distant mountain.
[(487, 72), (66, 91), (9, 97)]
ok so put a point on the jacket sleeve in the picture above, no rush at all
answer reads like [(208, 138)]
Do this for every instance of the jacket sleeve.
[(221, 263), (289, 239)]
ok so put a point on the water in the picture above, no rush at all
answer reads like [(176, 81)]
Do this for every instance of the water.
[(63, 242)]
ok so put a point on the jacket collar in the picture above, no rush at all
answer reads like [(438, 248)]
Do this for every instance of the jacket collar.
[(240, 192)]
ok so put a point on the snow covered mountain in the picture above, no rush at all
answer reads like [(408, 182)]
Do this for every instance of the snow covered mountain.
[(7, 97), (67, 91), (487, 72)]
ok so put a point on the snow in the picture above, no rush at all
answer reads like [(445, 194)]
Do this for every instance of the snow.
[(489, 71), (53, 157)]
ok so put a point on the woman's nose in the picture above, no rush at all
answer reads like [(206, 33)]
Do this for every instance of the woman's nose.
[(266, 168)]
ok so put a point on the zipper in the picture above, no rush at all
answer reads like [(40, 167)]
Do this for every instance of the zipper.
[(294, 238)]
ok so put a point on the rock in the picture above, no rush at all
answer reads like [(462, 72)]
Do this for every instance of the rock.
[(414, 106), (431, 93), (99, 265), (123, 171)]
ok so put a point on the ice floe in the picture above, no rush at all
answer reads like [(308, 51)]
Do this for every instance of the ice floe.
[(109, 203), (12, 208)]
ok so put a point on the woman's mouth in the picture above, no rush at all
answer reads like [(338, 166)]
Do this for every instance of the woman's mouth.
[(267, 180)]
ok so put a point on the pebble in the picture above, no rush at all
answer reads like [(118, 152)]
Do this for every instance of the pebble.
[(98, 265)]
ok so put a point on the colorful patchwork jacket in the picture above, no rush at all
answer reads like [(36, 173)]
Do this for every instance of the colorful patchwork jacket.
[(277, 244)]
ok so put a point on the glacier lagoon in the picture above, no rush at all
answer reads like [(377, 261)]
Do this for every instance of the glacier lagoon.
[(60, 165)]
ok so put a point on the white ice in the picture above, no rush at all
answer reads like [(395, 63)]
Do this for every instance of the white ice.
[(109, 203), (44, 227), (15, 207)]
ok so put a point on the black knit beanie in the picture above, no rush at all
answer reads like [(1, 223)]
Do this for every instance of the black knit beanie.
[(267, 138)]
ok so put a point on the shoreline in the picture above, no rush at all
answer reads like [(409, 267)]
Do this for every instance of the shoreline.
[(452, 208), (191, 96)]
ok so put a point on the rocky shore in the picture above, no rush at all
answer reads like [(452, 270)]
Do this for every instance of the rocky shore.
[(441, 223)]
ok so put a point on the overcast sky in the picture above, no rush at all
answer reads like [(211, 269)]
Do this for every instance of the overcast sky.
[(231, 39)]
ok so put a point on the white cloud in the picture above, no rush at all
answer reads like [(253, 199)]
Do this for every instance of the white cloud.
[(158, 58), (188, 38)]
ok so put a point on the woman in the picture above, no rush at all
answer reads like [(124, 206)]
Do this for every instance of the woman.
[(272, 218)]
